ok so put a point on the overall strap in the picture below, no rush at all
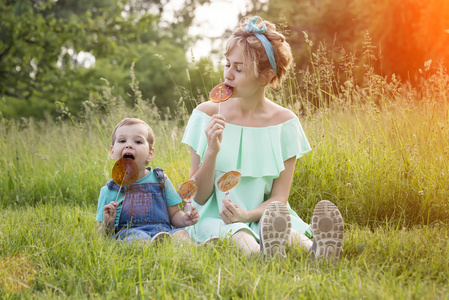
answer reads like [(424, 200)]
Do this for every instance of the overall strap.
[(160, 176), (114, 186)]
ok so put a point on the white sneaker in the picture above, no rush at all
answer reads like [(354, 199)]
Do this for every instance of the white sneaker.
[(160, 236), (274, 229), (210, 241), (328, 229)]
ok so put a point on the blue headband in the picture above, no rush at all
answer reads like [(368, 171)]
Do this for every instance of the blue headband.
[(258, 32)]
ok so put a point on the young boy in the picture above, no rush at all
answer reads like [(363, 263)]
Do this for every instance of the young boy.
[(147, 209)]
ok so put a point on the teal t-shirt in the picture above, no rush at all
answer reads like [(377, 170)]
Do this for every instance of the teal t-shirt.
[(107, 195)]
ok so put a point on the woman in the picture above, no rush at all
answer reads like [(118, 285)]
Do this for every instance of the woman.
[(262, 140)]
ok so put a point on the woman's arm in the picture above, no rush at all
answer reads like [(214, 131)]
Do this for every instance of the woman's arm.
[(204, 174)]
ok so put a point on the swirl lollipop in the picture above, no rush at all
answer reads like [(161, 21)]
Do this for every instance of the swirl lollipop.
[(124, 172), (187, 191), (220, 93), (228, 181)]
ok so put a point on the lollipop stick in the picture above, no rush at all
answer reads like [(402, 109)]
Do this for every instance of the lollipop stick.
[(118, 193), (188, 208), (219, 101), (121, 184)]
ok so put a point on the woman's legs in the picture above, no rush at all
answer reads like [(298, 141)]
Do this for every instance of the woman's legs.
[(327, 227), (274, 231), (298, 239), (246, 242)]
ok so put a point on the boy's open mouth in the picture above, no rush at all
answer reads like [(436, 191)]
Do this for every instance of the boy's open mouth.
[(128, 155)]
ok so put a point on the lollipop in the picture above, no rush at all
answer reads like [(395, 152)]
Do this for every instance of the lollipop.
[(228, 181), (124, 172), (220, 93), (187, 190)]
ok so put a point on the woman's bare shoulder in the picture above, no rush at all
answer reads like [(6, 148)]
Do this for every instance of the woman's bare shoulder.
[(281, 114), (210, 108)]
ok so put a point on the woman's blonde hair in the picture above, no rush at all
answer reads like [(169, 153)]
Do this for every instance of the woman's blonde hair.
[(254, 52)]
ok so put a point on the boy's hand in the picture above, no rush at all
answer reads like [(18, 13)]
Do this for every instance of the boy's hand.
[(192, 217), (110, 212)]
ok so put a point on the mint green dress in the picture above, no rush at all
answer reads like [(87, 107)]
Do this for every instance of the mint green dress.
[(258, 153)]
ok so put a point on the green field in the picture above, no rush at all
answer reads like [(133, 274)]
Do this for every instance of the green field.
[(379, 152)]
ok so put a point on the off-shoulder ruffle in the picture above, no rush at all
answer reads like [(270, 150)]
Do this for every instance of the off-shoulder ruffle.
[(254, 151)]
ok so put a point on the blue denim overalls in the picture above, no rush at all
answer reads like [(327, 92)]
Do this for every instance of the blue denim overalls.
[(144, 210)]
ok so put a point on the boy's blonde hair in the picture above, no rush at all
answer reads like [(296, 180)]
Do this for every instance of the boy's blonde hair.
[(133, 121), (254, 52)]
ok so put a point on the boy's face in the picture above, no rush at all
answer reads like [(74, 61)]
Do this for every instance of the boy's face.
[(131, 142)]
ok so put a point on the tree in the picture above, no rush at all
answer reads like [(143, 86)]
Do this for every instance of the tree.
[(40, 42), (408, 33), (38, 45)]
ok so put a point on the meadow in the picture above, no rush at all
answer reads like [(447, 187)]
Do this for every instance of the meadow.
[(379, 153)]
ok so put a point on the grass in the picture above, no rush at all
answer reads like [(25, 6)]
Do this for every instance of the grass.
[(65, 257), (379, 152)]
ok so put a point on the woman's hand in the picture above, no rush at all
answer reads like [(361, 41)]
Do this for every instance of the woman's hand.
[(214, 132), (192, 217), (231, 212)]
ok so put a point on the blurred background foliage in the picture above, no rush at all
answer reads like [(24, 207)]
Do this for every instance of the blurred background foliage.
[(404, 34), (43, 43)]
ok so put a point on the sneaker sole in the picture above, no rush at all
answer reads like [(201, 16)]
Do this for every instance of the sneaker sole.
[(160, 237), (275, 227), (210, 241), (328, 229)]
